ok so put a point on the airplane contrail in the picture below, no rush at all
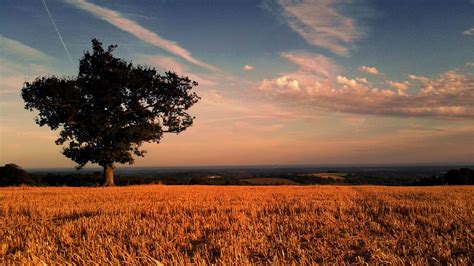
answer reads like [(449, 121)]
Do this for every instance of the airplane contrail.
[(57, 31)]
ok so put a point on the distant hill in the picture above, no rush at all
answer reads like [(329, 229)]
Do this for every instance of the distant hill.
[(13, 175)]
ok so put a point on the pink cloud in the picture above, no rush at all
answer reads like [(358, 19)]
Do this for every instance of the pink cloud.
[(314, 71), (370, 70), (449, 95), (248, 68), (321, 24), (311, 63), (400, 86), (281, 85), (418, 78)]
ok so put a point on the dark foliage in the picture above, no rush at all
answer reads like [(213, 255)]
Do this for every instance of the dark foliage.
[(429, 181), (463, 176), (214, 181), (12, 175), (308, 180), (380, 178), (112, 107), (72, 180)]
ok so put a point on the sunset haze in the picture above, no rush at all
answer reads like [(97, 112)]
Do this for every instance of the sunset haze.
[(281, 82)]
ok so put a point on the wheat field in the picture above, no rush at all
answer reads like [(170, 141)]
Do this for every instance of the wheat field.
[(237, 225)]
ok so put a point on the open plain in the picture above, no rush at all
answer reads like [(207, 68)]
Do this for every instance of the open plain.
[(237, 224)]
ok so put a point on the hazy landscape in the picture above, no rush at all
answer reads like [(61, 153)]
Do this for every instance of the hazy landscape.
[(236, 132), (245, 175)]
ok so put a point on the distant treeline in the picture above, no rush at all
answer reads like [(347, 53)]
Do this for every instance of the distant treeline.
[(463, 176), (14, 175)]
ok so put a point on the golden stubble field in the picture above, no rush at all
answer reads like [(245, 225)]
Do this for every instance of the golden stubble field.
[(237, 225)]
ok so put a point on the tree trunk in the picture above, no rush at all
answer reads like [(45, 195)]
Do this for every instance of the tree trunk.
[(108, 176)]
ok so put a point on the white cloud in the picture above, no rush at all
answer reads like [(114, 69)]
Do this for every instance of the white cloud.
[(468, 32), (321, 24), (370, 70), (281, 85), (314, 70), (450, 84), (319, 84), (285, 82), (248, 68), (400, 86), (449, 95), (346, 82), (117, 19), (418, 78), (362, 80)]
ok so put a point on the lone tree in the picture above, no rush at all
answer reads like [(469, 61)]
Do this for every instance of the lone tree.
[(110, 108)]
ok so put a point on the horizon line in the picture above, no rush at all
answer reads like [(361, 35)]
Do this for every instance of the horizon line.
[(262, 166)]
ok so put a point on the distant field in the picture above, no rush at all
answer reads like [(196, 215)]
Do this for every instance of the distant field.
[(268, 181), (335, 176), (237, 225)]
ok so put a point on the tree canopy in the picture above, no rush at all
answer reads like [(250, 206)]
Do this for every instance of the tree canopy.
[(105, 113)]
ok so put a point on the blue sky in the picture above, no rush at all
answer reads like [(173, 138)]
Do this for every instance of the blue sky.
[(350, 74), (399, 35)]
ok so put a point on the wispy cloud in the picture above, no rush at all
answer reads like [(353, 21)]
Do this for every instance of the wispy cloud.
[(118, 20), (168, 63), (370, 70), (18, 50), (18, 63), (13, 74), (321, 24), (312, 64), (469, 32)]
